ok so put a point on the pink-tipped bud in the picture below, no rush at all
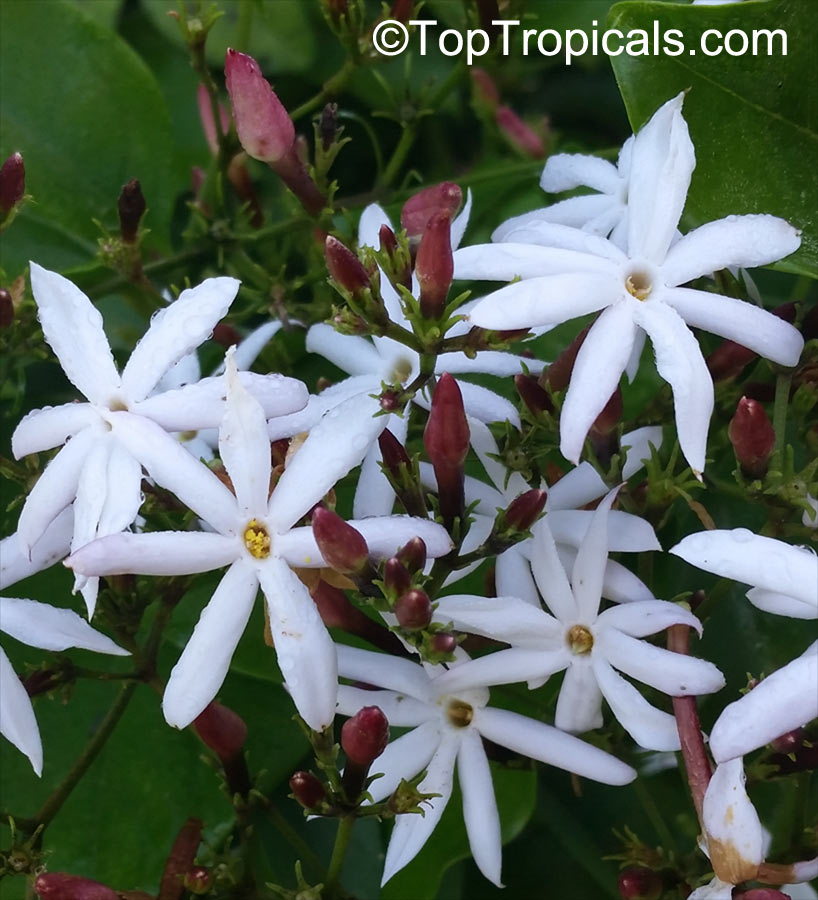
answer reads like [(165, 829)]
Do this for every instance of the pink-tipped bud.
[(388, 241), (12, 183), (342, 546), (534, 396), (131, 207), (444, 642), (6, 308), (223, 730), (400, 265), (328, 125), (365, 736), (434, 265), (558, 374), (180, 859), (446, 436), (345, 267), (413, 554), (418, 209), (207, 120), (639, 883), (524, 510), (198, 880), (226, 335), (394, 454), (752, 435), (485, 90), (789, 742), (62, 886), (307, 789), (396, 577), (263, 125), (414, 610), (525, 139), (402, 10)]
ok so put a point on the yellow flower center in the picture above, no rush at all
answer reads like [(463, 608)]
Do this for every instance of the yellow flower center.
[(402, 370), (459, 713), (639, 284), (257, 539), (579, 639)]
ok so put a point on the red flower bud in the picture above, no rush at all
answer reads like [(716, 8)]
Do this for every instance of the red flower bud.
[(394, 455), (336, 9), (534, 397), (413, 554), (223, 730), (558, 374), (518, 133), (388, 241), (345, 267), (264, 126), (485, 90), (180, 859), (402, 10), (12, 183), (414, 610), (639, 883), (307, 789), (61, 886), (341, 545), (434, 265), (444, 642), (440, 198), (207, 120), (131, 207), (198, 880), (446, 436), (6, 308), (365, 736), (397, 579), (789, 742), (524, 510), (226, 335), (752, 435), (401, 270)]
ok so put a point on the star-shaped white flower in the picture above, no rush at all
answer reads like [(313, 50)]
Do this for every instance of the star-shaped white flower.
[(94, 471), (370, 363), (565, 273), (587, 644), (447, 730), (38, 625), (253, 534)]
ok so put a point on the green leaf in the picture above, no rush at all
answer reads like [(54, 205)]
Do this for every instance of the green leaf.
[(87, 116), (753, 119)]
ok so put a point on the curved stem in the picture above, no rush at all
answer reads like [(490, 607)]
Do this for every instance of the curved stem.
[(332, 87), (339, 852)]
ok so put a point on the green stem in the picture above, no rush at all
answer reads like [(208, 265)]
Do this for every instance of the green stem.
[(53, 804), (782, 398), (339, 852), (332, 87), (294, 839), (153, 268)]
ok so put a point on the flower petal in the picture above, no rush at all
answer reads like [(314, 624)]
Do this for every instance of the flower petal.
[(483, 404), (645, 617), (479, 806), (592, 555), (781, 604), (248, 349), (461, 222), (745, 241), (635, 358), (550, 745), (72, 325), (50, 628), (680, 362), (374, 495), (50, 427), (506, 619), (576, 212), (123, 491), (638, 443), (401, 710), (597, 370), (403, 757), (350, 353), (202, 667), (174, 331), (17, 722), (575, 489), (155, 553), (546, 234), (489, 362), (627, 533), (507, 261), (618, 584), (384, 671), (511, 666), (513, 576), (15, 561), (549, 574), (579, 705), (369, 226), (566, 171), (742, 322)]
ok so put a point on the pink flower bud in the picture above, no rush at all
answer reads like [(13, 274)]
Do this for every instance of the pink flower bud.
[(413, 554), (180, 859), (6, 308), (307, 789), (518, 133), (446, 436), (131, 207), (434, 265), (264, 126), (395, 457), (558, 374), (207, 120), (444, 642), (198, 880), (341, 545), (223, 730), (639, 883), (418, 209), (396, 577), (752, 435), (345, 267), (12, 183), (401, 270), (789, 742), (61, 886), (365, 736), (524, 510), (226, 335), (402, 10), (534, 397), (485, 90), (414, 610)]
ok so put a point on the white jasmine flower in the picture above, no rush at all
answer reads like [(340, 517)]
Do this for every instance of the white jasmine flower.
[(94, 470), (371, 363), (587, 644), (447, 731), (253, 534), (565, 273), (38, 625)]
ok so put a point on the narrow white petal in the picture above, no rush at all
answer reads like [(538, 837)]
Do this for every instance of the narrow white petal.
[(123, 491), (579, 705), (202, 667), (575, 489), (72, 325), (740, 321), (675, 674), (384, 671), (638, 443), (745, 241), (627, 533), (646, 617), (546, 234), (507, 261), (635, 358), (489, 362), (484, 404), (597, 371), (785, 700), (648, 726), (511, 666), (549, 574), (733, 830), (781, 604), (171, 466), (250, 347), (589, 566), (618, 584), (15, 561), (566, 171), (186, 371), (761, 561), (550, 745), (485, 446), (335, 445), (50, 628), (479, 806), (369, 226), (306, 654), (401, 711), (174, 331), (374, 495), (513, 578), (506, 619), (50, 427), (17, 722), (350, 353), (92, 488), (461, 222), (716, 889), (680, 362), (155, 553), (404, 757), (576, 212)]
